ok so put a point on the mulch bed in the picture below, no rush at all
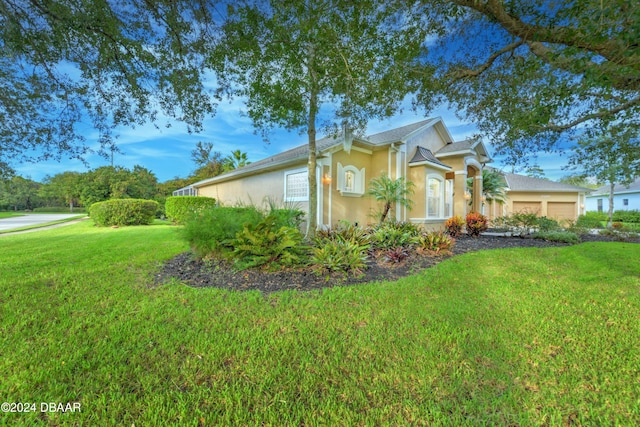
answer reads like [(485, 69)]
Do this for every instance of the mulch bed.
[(218, 273)]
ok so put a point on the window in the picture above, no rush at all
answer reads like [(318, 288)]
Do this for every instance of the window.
[(448, 198), (350, 180), (296, 185), (599, 205), (625, 202), (434, 198)]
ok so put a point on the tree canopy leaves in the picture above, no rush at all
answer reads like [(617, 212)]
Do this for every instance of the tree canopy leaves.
[(293, 59), (70, 68), (529, 71)]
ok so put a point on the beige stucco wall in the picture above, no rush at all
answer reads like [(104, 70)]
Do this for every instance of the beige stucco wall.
[(253, 190)]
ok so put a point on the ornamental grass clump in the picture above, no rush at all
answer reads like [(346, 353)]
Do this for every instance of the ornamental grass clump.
[(211, 230)]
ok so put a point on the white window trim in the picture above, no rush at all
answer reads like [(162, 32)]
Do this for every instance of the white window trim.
[(440, 196), (294, 172), (358, 180)]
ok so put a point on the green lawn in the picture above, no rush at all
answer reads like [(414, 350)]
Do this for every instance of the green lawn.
[(507, 337), (10, 214)]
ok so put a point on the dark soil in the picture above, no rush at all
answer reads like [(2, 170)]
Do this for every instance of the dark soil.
[(220, 274)]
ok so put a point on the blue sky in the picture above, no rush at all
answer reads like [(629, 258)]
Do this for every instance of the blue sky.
[(166, 151)]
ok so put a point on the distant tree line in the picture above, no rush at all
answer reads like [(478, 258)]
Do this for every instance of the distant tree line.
[(82, 189)]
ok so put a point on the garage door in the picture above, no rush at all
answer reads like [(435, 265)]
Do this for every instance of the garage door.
[(527, 207), (561, 210)]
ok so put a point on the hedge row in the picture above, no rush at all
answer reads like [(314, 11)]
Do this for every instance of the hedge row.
[(123, 212), (627, 216), (179, 208), (618, 216)]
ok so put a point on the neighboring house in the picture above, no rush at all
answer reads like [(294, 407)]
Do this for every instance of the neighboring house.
[(624, 198), (543, 197), (423, 152)]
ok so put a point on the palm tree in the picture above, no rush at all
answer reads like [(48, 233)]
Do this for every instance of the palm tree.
[(493, 186), (390, 191), (236, 160)]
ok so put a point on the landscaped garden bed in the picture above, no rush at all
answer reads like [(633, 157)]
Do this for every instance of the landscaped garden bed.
[(212, 272)]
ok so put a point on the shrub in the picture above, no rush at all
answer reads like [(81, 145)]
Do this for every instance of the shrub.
[(123, 212), (392, 235), (545, 224), (617, 225), (339, 256), (596, 216), (267, 243), (590, 220), (288, 217), (179, 208), (210, 231), (454, 225), (346, 231), (436, 242), (476, 224), (557, 236), (627, 216)]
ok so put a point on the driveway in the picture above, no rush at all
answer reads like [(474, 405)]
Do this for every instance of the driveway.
[(30, 220)]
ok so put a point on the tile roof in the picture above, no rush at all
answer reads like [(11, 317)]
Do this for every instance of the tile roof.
[(425, 155), (517, 182), (634, 187)]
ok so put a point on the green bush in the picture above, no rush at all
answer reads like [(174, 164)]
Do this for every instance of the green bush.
[(345, 231), (632, 216), (590, 220), (268, 243), (179, 208), (596, 216), (288, 217), (392, 235), (210, 231), (123, 212), (545, 224), (339, 256), (557, 236)]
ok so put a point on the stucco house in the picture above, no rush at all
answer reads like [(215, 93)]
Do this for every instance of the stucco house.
[(540, 196), (423, 152), (625, 197)]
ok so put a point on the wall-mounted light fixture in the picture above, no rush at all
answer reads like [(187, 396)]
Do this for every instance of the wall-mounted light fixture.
[(326, 179)]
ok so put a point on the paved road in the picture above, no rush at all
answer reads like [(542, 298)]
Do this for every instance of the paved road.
[(29, 220)]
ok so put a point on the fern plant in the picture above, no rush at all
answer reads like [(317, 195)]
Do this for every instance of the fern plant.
[(267, 243)]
